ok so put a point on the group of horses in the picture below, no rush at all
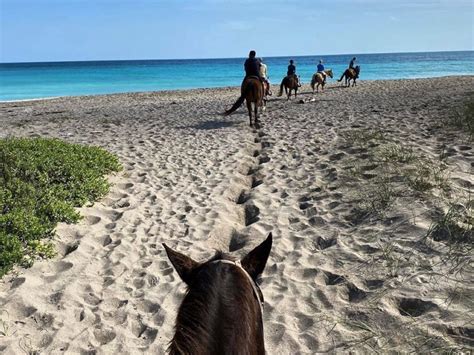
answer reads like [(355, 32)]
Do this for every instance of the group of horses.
[(222, 311), (292, 82), (254, 90)]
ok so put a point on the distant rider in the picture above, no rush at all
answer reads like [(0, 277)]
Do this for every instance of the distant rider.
[(321, 70), (264, 75), (252, 65), (352, 63), (252, 68), (291, 69)]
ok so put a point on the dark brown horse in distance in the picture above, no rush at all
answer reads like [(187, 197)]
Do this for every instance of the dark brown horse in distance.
[(221, 312), (290, 82), (351, 74), (318, 80), (253, 93)]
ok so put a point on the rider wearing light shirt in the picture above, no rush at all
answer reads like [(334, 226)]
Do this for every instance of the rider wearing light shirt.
[(264, 75), (263, 69)]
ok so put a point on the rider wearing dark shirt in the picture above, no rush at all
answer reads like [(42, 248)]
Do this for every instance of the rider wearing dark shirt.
[(291, 68), (351, 64), (252, 65)]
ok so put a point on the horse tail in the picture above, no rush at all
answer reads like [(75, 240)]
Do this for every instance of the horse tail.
[(342, 75), (281, 87), (237, 104), (239, 101)]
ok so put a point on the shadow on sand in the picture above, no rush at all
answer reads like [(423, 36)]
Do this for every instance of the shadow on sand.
[(208, 125)]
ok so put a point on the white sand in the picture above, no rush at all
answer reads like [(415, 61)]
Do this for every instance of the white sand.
[(199, 181)]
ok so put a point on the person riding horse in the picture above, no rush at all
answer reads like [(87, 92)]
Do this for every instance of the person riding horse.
[(321, 70), (252, 89), (291, 69), (264, 76), (252, 65), (353, 66), (352, 63), (290, 81)]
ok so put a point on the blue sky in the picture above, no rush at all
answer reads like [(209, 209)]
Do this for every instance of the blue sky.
[(56, 30)]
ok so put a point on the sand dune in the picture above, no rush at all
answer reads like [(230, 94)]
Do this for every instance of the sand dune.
[(330, 178)]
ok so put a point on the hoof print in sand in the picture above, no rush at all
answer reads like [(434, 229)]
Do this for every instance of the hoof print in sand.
[(263, 159), (322, 243), (67, 248), (250, 214), (243, 197), (17, 282), (104, 336), (414, 307), (332, 279), (256, 181), (355, 294), (237, 241)]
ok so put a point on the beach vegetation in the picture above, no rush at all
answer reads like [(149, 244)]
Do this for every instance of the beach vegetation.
[(426, 175), (463, 118), (455, 226), (42, 181), (377, 197), (396, 153), (363, 137)]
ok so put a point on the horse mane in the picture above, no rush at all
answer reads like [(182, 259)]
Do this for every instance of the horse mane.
[(211, 305)]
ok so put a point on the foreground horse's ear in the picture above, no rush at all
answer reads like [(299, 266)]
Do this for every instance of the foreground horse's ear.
[(183, 264), (255, 261)]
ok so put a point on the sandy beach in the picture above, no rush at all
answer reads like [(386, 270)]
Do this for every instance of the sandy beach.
[(349, 181)]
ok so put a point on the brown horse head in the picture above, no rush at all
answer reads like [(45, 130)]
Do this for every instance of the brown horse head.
[(221, 312)]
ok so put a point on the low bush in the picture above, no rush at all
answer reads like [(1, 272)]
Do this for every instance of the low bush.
[(41, 183)]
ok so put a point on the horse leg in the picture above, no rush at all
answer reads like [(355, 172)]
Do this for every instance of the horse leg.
[(296, 91), (249, 108), (255, 108)]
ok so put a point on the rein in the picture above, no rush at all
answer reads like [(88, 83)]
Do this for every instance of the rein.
[(252, 282)]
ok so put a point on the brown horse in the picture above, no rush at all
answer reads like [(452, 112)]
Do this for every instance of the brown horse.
[(221, 312), (253, 93), (318, 80), (351, 74), (290, 82)]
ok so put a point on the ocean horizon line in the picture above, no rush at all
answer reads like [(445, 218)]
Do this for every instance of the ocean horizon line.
[(230, 58)]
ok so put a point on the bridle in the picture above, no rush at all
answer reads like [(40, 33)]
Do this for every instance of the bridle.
[(256, 289)]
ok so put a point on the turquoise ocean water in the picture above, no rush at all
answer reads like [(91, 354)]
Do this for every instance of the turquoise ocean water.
[(19, 81)]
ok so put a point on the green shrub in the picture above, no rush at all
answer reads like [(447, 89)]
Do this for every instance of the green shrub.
[(41, 182), (464, 117)]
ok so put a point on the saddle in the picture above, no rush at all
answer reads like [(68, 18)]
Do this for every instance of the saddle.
[(252, 77)]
